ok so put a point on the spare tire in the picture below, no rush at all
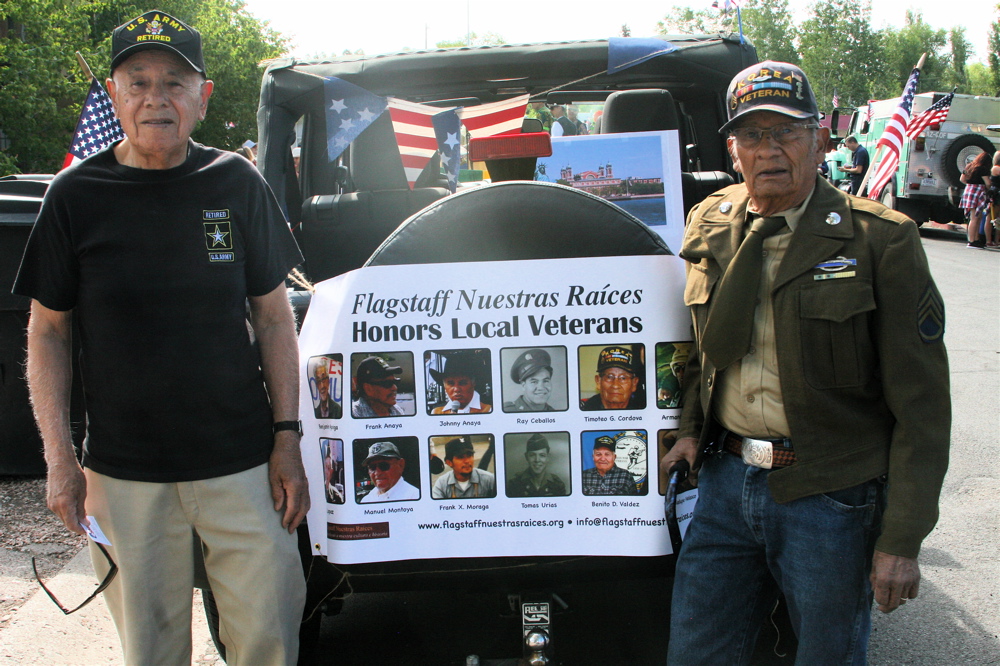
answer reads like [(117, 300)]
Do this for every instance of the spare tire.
[(961, 151)]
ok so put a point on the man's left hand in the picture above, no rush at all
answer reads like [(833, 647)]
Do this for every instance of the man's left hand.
[(289, 487), (894, 579)]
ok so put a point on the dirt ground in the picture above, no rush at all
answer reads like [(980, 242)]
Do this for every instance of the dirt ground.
[(28, 529)]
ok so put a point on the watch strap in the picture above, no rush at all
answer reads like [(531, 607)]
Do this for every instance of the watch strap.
[(287, 425)]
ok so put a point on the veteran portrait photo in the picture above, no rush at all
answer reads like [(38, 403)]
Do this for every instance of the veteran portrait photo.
[(388, 471), (470, 463), (458, 381), (602, 475), (619, 382), (671, 357), (534, 380), (332, 452), (537, 464), (382, 385), (325, 385)]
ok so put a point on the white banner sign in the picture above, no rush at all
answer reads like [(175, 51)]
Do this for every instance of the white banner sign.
[(492, 409)]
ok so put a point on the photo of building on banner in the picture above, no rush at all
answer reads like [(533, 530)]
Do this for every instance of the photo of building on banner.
[(637, 171), (488, 418)]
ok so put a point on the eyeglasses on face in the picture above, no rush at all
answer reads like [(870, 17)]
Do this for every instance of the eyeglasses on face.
[(614, 378), (381, 465), (784, 133), (112, 572)]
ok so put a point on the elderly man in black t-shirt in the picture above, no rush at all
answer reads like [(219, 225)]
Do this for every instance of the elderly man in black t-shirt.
[(153, 248)]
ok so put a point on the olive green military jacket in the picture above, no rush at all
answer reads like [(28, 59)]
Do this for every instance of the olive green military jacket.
[(859, 330)]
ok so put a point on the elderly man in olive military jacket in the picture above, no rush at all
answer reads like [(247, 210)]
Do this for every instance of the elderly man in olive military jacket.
[(816, 402)]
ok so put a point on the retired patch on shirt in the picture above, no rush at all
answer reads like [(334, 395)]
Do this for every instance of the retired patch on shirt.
[(930, 314)]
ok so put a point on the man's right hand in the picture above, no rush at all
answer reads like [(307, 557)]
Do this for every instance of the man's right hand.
[(66, 492), (685, 448)]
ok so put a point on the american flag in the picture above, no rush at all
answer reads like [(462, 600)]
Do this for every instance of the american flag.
[(835, 100), (414, 128), (937, 113), (350, 109), (97, 128), (494, 118), (869, 111), (447, 130), (892, 137)]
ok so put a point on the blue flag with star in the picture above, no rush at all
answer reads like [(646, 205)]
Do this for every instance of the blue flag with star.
[(350, 109), (447, 131)]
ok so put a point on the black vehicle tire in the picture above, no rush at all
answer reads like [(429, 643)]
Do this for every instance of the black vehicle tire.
[(960, 152)]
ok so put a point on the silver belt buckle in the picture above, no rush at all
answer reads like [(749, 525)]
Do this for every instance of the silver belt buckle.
[(758, 452)]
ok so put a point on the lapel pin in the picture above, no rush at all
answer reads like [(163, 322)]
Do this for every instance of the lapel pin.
[(833, 218), (725, 207)]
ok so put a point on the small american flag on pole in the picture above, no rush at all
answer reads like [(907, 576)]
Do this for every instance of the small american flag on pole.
[(835, 100), (937, 113), (892, 137), (97, 127)]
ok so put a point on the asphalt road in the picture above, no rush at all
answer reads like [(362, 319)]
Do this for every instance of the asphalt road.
[(955, 620)]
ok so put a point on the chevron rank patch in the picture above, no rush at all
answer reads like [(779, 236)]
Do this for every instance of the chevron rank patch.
[(930, 314)]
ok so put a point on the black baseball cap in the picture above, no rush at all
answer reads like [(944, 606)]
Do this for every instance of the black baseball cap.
[(375, 368), (770, 86), (458, 447), (604, 442), (157, 30), (615, 357)]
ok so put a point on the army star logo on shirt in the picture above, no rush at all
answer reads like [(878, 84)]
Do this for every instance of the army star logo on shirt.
[(218, 236)]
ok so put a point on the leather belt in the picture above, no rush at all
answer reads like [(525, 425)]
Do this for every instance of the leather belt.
[(763, 453)]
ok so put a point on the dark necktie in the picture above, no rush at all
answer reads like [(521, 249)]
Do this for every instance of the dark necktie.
[(730, 321)]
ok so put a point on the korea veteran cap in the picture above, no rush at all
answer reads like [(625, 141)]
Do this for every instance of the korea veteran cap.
[(156, 30), (615, 357), (770, 86)]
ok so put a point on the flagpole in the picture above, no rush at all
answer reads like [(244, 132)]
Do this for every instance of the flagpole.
[(84, 66), (878, 150)]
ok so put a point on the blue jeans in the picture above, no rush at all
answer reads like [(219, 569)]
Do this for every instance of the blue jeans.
[(742, 548)]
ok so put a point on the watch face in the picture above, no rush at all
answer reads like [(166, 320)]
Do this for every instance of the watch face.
[(630, 454)]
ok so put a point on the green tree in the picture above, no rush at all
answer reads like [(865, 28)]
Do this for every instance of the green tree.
[(903, 49), (43, 87), (993, 44), (961, 49), (472, 39), (768, 24), (684, 20), (840, 52), (978, 80)]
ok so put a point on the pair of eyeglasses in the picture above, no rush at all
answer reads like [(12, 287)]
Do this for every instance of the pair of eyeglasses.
[(385, 383), (112, 572), (617, 379), (784, 133), (382, 466)]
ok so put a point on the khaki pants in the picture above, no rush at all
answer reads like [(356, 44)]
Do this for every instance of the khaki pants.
[(252, 564)]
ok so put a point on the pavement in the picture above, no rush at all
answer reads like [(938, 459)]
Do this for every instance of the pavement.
[(40, 634)]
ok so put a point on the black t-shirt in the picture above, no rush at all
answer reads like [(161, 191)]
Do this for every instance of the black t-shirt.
[(157, 266)]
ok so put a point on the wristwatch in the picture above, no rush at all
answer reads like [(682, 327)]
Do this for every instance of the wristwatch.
[(288, 425)]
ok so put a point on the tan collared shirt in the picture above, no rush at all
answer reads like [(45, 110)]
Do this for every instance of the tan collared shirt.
[(748, 393)]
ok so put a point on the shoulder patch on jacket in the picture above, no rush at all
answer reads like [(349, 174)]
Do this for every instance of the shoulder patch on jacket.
[(930, 314)]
